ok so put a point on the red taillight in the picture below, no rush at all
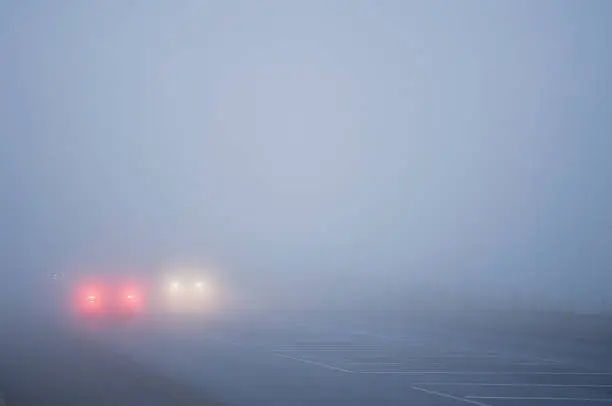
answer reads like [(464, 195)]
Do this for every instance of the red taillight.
[(130, 297), (91, 299)]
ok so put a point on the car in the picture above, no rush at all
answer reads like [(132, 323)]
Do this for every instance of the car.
[(108, 298), (187, 294)]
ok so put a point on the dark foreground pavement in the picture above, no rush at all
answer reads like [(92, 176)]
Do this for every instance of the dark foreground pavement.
[(249, 360), (260, 360), (44, 361)]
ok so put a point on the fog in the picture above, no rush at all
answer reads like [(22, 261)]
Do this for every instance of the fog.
[(316, 153)]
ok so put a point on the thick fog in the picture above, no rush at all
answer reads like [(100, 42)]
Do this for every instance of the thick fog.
[(315, 152)]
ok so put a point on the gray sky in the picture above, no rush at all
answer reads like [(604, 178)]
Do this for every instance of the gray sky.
[(385, 142)]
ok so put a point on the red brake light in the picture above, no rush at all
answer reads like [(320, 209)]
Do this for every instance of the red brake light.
[(130, 297), (92, 298)]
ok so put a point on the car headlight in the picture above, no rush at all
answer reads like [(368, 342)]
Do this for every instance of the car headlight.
[(174, 285)]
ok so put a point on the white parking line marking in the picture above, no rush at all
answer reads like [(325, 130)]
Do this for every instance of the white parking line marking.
[(407, 341), (529, 364), (392, 367), (551, 360), (476, 357), (484, 373), (326, 349), (446, 395), (518, 385), (375, 367), (367, 333), (539, 398), (319, 364)]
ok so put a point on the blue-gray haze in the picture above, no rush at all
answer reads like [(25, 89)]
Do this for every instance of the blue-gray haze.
[(313, 150)]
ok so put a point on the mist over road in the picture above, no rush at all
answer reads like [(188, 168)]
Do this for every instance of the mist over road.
[(302, 358), (389, 203), (258, 359), (49, 359)]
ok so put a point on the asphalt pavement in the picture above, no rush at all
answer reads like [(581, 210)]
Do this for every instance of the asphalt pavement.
[(45, 361), (255, 360)]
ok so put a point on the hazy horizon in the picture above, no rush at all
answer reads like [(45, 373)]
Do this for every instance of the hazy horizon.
[(314, 151)]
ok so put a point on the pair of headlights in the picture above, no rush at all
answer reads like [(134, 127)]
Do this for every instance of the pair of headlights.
[(177, 285)]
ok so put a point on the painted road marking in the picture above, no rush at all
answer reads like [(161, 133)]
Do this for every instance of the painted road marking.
[(518, 385), (446, 395), (355, 364), (349, 345), (550, 360), (478, 357), (410, 342), (482, 373), (319, 364), (537, 398), (325, 349), (447, 373), (479, 398)]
